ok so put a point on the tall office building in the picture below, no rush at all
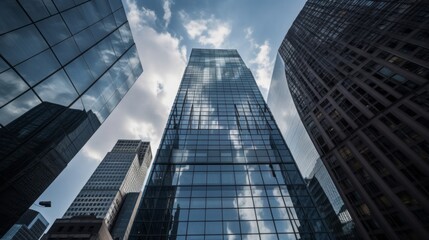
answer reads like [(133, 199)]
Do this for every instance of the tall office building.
[(223, 170), (30, 226), (320, 185), (59, 61), (358, 73), (122, 171)]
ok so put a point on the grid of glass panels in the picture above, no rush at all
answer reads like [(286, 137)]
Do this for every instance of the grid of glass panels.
[(358, 73), (223, 170), (321, 187), (56, 56)]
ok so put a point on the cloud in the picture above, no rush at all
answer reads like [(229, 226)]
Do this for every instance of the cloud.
[(207, 32), (167, 12), (137, 17), (261, 64), (196, 28)]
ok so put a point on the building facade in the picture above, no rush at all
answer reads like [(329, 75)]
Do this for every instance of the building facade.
[(79, 228), (122, 171), (320, 185), (223, 170), (125, 218), (29, 226), (57, 58), (358, 74)]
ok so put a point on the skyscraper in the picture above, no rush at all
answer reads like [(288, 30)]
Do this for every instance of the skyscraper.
[(223, 170), (358, 73), (320, 185), (29, 226), (122, 171), (58, 60)]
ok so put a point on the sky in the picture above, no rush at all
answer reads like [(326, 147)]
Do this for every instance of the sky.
[(165, 33)]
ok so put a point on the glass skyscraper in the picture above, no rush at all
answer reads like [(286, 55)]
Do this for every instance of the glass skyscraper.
[(320, 185), (64, 66), (223, 170), (358, 73)]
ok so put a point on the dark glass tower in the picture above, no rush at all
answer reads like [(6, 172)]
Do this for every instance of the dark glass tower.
[(320, 185), (223, 170), (358, 73), (64, 66)]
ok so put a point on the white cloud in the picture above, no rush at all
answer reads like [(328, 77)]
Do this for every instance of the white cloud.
[(261, 64), (264, 67), (207, 32), (167, 12), (215, 36), (195, 28), (137, 17)]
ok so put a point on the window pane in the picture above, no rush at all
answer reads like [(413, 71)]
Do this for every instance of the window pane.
[(84, 39), (11, 85), (66, 50), (53, 29), (38, 67), (79, 74), (18, 107), (11, 16), (35, 8), (3, 65), (96, 66), (21, 44), (74, 20), (57, 89)]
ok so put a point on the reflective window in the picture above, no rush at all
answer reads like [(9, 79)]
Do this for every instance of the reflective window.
[(11, 85), (18, 107), (35, 8), (90, 13), (116, 41), (11, 16), (120, 17), (57, 89), (92, 58), (53, 29), (66, 50), (74, 20), (3, 65), (98, 30), (84, 39), (38, 67), (21, 44), (106, 52), (79, 74)]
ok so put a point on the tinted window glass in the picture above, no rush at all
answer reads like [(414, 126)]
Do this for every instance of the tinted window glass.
[(11, 16), (18, 107), (11, 85), (21, 44), (57, 89), (53, 29), (38, 67)]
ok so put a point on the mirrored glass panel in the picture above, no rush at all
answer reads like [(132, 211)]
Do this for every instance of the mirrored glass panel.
[(11, 85), (53, 29), (11, 16), (57, 89), (38, 67), (18, 107), (79, 74), (66, 50), (35, 8), (21, 44)]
